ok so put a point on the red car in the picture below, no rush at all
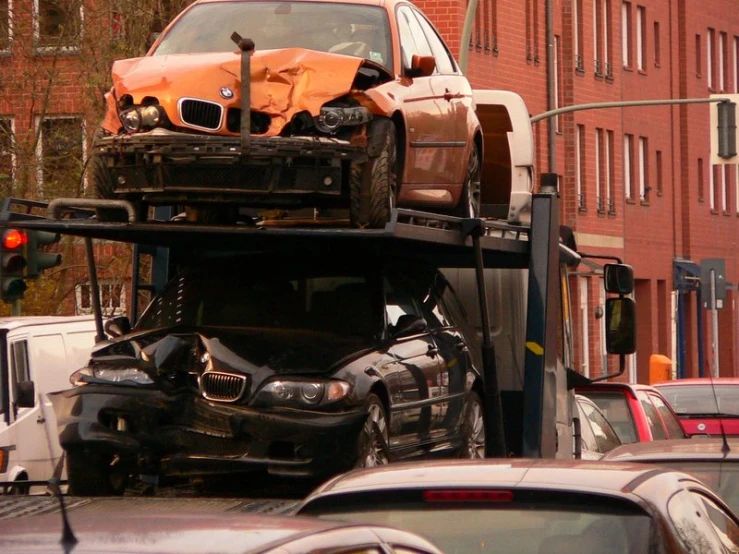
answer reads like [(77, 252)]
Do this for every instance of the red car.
[(704, 404), (636, 412)]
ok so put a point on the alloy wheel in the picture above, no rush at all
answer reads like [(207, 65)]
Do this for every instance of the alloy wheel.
[(474, 448)]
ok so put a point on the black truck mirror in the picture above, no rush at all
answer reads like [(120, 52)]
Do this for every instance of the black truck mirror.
[(620, 326), (618, 278)]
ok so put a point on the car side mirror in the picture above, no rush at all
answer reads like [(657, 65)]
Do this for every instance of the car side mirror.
[(618, 278), (421, 66), (409, 324), (620, 326), (26, 394), (117, 326)]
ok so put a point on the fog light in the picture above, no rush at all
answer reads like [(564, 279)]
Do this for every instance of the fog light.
[(131, 120)]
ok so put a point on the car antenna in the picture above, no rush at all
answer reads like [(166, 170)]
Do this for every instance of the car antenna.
[(68, 540), (725, 448)]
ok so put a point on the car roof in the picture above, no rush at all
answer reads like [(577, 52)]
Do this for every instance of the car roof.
[(546, 474), (699, 381), (11, 323), (615, 386), (701, 448), (367, 2), (157, 530)]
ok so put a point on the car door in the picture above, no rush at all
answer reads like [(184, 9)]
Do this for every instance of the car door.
[(412, 371), (430, 135)]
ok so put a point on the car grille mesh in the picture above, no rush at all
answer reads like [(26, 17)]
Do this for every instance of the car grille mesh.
[(225, 387), (199, 113)]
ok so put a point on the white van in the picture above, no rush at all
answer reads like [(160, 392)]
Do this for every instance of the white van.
[(37, 356)]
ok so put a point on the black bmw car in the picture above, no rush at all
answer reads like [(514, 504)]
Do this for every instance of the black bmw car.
[(303, 366)]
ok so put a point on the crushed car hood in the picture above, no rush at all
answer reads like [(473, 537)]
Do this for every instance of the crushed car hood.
[(283, 82), (260, 353)]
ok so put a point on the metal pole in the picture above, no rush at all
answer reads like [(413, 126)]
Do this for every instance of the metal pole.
[(701, 356), (714, 326), (625, 104), (551, 92), (95, 291), (16, 308), (464, 46)]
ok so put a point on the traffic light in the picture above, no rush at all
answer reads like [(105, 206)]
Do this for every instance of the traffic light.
[(38, 261), (12, 264)]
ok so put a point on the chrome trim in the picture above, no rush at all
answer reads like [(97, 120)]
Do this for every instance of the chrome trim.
[(220, 119), (437, 144), (224, 379)]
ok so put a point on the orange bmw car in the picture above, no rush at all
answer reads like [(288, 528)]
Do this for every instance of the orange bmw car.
[(354, 104)]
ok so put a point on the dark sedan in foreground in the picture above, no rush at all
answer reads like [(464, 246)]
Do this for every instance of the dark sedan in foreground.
[(173, 532), (535, 507), (305, 367), (712, 460)]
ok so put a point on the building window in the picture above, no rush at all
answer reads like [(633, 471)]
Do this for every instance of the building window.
[(598, 171), (60, 154), (641, 39), (626, 34), (712, 178), (5, 25), (484, 37), (698, 56), (736, 64), (57, 24), (628, 165), (658, 163), (112, 298), (577, 34), (724, 174), (657, 45), (736, 187), (710, 46), (722, 56), (701, 183), (580, 166), (643, 170), (609, 173), (532, 30), (6, 157), (601, 50)]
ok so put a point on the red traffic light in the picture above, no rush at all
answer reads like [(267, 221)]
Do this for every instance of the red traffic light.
[(13, 238)]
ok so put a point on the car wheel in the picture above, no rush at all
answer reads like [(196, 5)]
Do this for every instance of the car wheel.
[(473, 428), (91, 474), (102, 187), (469, 201), (382, 172), (372, 445)]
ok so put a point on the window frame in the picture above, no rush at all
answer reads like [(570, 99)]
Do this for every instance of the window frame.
[(39, 124), (53, 48)]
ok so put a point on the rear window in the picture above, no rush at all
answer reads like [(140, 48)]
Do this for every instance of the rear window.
[(703, 399), (616, 409), (721, 477), (527, 525)]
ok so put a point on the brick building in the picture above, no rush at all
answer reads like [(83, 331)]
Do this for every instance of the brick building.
[(636, 183)]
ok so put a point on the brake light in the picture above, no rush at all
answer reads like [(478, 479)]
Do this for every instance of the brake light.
[(468, 495)]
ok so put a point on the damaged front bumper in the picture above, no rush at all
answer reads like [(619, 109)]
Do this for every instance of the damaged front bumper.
[(169, 166), (185, 434)]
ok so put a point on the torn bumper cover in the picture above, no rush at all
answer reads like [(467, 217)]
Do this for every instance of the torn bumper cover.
[(168, 165), (187, 435)]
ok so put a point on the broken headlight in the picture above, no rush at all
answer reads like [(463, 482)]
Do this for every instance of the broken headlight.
[(143, 118), (123, 376), (299, 393), (330, 119)]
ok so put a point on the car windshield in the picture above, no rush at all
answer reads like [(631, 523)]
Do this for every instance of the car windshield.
[(519, 529), (700, 399), (324, 300), (721, 477), (616, 409), (350, 29)]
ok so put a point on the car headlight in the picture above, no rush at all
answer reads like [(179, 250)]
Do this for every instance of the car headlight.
[(299, 393), (142, 118), (330, 119), (126, 375)]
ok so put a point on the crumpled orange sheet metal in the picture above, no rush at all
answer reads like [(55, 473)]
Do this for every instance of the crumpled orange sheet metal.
[(283, 82)]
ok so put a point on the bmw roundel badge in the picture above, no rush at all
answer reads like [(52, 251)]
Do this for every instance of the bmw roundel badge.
[(226, 92)]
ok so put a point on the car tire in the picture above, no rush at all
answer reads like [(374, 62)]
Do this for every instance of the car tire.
[(372, 444), (469, 201), (473, 428), (90, 474), (382, 172)]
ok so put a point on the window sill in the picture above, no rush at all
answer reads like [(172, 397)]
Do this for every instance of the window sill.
[(660, 193), (612, 214), (727, 213), (580, 71), (714, 211), (631, 201), (644, 203), (601, 213), (643, 72), (657, 64), (582, 209), (628, 68)]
